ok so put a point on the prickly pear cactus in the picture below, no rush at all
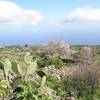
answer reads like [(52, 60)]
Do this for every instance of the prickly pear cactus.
[(43, 81), (7, 66), (15, 68), (28, 58), (20, 70), (18, 79), (30, 64), (32, 67)]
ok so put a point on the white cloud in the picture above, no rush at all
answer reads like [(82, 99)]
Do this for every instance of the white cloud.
[(10, 13), (86, 14)]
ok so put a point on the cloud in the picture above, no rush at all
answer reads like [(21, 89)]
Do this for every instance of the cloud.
[(86, 14), (10, 13)]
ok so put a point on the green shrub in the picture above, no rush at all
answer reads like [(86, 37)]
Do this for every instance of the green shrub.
[(45, 61), (51, 82), (58, 85), (57, 62)]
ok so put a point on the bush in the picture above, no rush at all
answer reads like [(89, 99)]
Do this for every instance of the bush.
[(58, 86), (51, 82), (87, 80), (57, 62), (46, 60)]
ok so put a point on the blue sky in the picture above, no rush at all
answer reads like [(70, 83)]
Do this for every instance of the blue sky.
[(74, 21)]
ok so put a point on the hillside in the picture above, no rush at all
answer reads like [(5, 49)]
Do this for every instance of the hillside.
[(52, 71)]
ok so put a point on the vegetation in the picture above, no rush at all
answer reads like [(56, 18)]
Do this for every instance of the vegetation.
[(38, 73)]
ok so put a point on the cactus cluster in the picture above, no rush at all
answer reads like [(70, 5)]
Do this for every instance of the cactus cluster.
[(13, 71), (18, 79)]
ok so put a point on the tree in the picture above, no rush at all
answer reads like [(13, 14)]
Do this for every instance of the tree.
[(56, 48), (87, 53)]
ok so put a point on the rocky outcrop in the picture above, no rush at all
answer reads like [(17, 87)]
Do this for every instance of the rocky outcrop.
[(59, 73)]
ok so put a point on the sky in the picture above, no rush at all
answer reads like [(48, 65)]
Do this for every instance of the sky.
[(40, 21)]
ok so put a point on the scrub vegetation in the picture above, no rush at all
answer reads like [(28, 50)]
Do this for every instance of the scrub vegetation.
[(53, 71)]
